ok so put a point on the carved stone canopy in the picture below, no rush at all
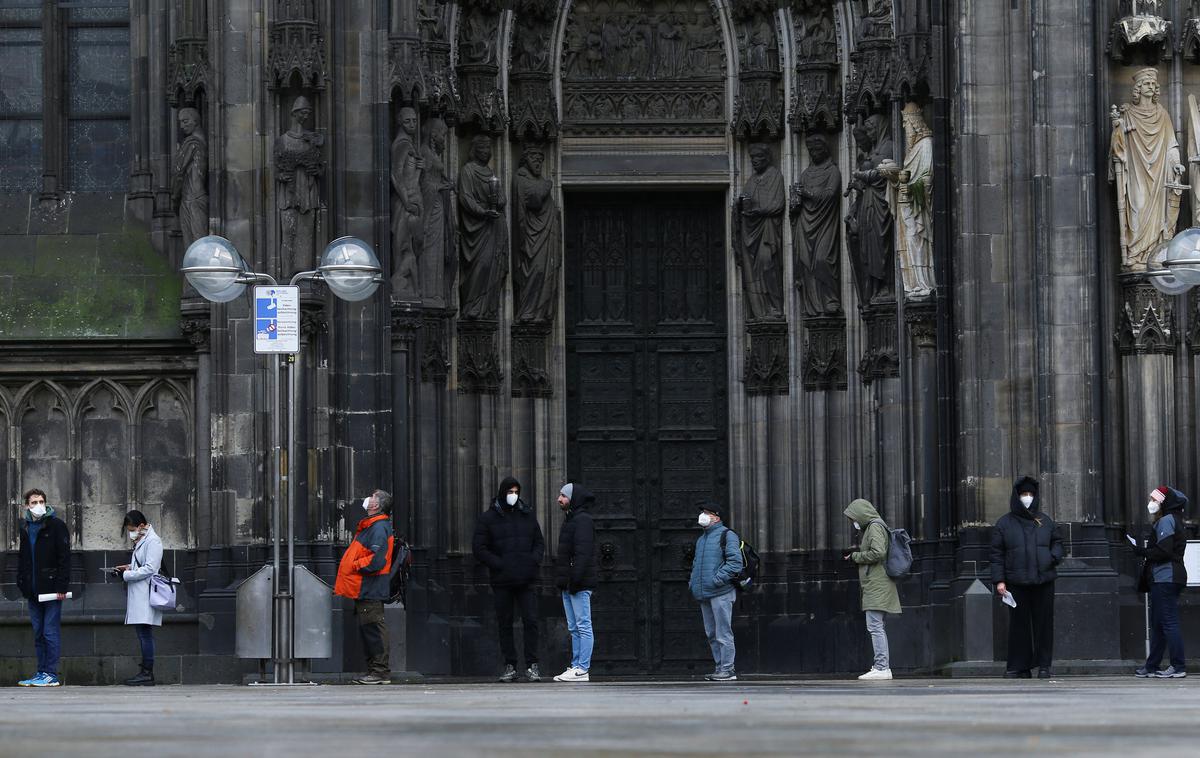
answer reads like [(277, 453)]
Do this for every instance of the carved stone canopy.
[(1140, 33), (188, 70)]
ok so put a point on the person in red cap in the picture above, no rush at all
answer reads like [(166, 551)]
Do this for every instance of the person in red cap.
[(1164, 577)]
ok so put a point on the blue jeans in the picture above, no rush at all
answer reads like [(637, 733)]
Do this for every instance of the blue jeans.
[(145, 635), (578, 608), (46, 619), (1164, 620), (718, 625)]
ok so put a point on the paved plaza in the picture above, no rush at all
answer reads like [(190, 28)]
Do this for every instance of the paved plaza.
[(1085, 716)]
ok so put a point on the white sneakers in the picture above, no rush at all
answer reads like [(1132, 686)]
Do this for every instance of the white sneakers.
[(573, 675), (877, 675)]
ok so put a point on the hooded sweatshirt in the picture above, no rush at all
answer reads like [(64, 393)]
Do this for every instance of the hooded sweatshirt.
[(575, 561), (877, 589), (1164, 557), (508, 539), (1026, 546), (44, 555)]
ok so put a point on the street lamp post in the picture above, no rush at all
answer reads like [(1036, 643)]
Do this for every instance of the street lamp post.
[(217, 271)]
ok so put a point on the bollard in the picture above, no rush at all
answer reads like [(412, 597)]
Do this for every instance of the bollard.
[(977, 623)]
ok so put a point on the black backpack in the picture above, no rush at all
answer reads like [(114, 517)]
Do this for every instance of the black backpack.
[(402, 559), (744, 579)]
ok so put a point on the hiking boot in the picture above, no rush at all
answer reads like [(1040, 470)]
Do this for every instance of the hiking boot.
[(510, 673), (1171, 673), (1045, 674), (533, 673), (373, 679), (877, 675), (46, 680), (144, 678), (573, 674), (1142, 672)]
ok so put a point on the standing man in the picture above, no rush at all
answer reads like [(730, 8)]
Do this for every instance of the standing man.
[(364, 576), (1026, 548), (717, 563), (509, 542), (43, 567), (575, 574)]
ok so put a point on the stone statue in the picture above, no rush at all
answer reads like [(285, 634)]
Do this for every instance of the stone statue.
[(407, 210), (298, 169), (438, 256), (482, 234), (759, 234), (189, 181), (1146, 170), (816, 231), (1193, 155), (870, 222), (914, 203), (535, 274)]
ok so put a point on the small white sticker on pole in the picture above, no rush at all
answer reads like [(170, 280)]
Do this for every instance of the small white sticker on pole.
[(276, 319)]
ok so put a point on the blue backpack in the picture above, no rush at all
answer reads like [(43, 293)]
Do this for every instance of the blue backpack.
[(899, 556)]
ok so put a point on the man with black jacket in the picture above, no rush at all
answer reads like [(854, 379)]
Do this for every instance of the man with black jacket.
[(509, 542), (575, 575), (43, 568), (1164, 577), (1026, 548)]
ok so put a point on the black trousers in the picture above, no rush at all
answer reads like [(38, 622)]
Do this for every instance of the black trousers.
[(1031, 627), (525, 599), (373, 631)]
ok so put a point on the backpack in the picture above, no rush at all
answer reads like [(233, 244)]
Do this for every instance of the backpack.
[(402, 560), (899, 555), (750, 562)]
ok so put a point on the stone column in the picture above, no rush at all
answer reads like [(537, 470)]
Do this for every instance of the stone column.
[(921, 511), (406, 321)]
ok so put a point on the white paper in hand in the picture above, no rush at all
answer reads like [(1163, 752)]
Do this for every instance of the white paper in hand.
[(46, 597), (1007, 598), (1132, 541)]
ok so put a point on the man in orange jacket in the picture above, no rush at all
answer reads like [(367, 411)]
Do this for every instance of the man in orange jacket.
[(364, 576)]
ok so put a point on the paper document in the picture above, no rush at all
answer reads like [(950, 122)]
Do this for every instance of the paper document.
[(48, 596), (1007, 598), (1132, 541)]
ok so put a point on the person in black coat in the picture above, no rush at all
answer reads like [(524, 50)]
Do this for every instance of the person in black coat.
[(43, 568), (575, 575), (1026, 548), (509, 542), (1164, 577)]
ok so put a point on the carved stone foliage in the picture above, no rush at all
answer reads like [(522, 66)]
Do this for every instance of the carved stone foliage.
[(825, 353), (1140, 32), (817, 96), (643, 68), (296, 46), (197, 329), (1145, 321), (758, 108), (766, 366), (530, 377), (533, 111), (478, 64), (406, 320), (435, 356), (921, 319), (881, 359), (478, 362)]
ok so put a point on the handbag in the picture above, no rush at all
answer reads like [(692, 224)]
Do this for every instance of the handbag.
[(162, 591)]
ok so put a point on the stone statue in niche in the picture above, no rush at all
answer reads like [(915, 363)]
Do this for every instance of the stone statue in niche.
[(758, 220), (298, 170), (530, 46), (535, 273), (913, 203), (816, 231), (1146, 170), (189, 180), (870, 224), (437, 252), (407, 207), (876, 20), (816, 40), (477, 43), (482, 234)]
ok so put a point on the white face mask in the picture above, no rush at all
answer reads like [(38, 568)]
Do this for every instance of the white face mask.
[(511, 498), (704, 520), (133, 535), (1026, 500), (857, 526), (37, 511), (367, 504), (1153, 507)]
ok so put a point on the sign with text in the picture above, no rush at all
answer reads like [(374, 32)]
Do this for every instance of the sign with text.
[(276, 319)]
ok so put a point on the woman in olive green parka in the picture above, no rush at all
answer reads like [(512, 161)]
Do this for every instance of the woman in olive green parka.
[(879, 595)]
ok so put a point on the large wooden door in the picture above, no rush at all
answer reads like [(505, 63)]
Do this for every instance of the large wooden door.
[(646, 408)]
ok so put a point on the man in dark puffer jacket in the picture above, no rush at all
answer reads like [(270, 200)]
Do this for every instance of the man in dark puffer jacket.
[(509, 542), (575, 575), (1026, 548)]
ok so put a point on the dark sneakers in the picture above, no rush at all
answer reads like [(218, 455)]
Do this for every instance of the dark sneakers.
[(722, 676), (1171, 673), (144, 678), (510, 673), (1018, 675), (1141, 672), (1045, 674), (533, 673), (373, 679)]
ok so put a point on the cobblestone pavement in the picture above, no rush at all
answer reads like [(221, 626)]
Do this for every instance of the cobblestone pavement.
[(1083, 716)]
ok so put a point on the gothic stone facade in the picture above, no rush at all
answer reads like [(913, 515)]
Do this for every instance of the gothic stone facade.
[(782, 254)]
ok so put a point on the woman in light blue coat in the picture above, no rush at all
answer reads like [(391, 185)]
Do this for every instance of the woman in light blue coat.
[(145, 562)]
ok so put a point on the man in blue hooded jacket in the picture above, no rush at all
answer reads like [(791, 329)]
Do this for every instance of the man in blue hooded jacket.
[(717, 563)]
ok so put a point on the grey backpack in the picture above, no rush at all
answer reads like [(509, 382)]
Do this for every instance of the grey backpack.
[(899, 555)]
